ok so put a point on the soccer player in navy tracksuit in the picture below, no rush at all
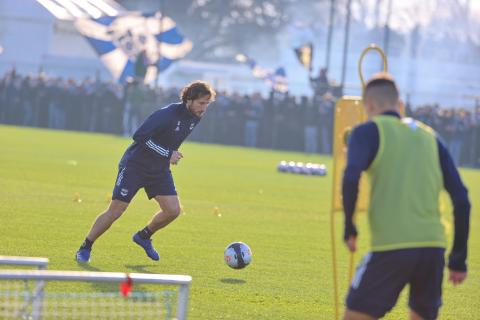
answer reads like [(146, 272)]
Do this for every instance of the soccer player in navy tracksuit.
[(146, 164), (408, 166)]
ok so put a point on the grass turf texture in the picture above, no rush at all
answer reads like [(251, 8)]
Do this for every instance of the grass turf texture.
[(283, 218)]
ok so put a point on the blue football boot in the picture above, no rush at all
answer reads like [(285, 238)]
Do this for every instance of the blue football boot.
[(146, 244), (83, 255)]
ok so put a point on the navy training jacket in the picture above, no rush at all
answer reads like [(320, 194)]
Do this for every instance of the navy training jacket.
[(162, 133)]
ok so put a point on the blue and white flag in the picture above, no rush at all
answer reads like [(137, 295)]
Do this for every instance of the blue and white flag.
[(121, 40), (277, 79)]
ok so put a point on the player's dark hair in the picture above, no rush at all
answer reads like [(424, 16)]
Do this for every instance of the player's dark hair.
[(382, 89), (197, 89)]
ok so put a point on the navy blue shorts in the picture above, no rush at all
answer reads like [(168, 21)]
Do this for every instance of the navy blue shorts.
[(381, 276), (130, 179)]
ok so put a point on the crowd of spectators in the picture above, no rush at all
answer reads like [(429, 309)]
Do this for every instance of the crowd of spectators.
[(279, 121), (458, 128)]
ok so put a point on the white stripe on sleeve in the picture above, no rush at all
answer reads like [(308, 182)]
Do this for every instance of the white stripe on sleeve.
[(157, 148)]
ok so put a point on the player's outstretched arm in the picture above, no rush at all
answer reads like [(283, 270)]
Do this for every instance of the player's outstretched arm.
[(461, 212), (362, 148)]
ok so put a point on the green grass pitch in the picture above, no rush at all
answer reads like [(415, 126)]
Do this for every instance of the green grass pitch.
[(283, 218)]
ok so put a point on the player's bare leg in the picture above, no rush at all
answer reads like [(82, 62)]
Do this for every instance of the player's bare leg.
[(170, 209), (101, 224), (354, 315), (106, 219), (414, 315)]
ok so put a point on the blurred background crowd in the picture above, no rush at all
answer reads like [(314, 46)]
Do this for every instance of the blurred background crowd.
[(278, 121)]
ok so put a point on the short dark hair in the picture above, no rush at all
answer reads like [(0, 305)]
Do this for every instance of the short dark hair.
[(196, 90), (382, 89)]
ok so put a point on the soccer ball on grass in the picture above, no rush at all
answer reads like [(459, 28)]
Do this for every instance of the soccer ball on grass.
[(237, 255)]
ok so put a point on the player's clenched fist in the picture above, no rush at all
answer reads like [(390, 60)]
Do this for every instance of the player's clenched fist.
[(176, 156)]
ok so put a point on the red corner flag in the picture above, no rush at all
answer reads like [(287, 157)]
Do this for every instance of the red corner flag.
[(126, 287)]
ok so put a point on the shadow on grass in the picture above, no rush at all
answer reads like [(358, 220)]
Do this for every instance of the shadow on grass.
[(140, 268), (232, 281), (113, 287), (87, 267), (104, 287)]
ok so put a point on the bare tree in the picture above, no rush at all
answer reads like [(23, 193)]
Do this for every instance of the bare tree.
[(221, 28)]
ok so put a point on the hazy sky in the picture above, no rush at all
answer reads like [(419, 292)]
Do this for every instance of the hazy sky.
[(407, 13)]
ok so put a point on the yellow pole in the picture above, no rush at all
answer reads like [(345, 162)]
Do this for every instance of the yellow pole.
[(334, 261), (332, 214), (332, 227), (371, 47)]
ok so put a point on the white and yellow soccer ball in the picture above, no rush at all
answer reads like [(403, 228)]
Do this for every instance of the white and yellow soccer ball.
[(237, 255)]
